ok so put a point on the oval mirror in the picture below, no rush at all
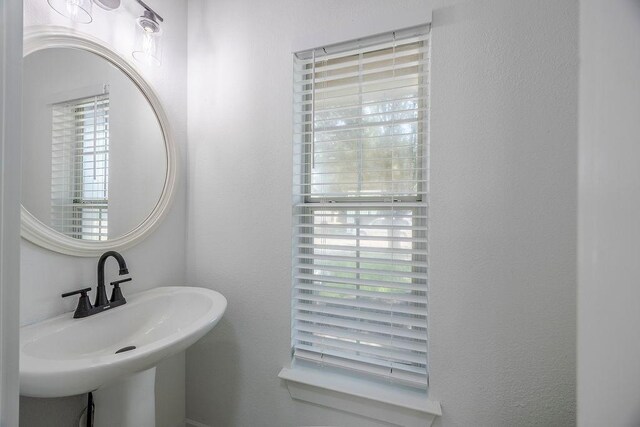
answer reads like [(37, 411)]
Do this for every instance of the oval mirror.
[(98, 162)]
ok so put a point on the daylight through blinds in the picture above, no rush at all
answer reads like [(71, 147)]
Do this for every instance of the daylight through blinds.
[(360, 206), (80, 167)]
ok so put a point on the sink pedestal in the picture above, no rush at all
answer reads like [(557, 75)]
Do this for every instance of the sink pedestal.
[(128, 402)]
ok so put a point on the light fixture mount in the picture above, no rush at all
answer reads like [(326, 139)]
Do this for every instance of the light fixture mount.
[(108, 4), (152, 12), (148, 22)]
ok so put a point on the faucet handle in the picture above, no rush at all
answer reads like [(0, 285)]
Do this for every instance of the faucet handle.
[(84, 305), (117, 282), (116, 295), (79, 291)]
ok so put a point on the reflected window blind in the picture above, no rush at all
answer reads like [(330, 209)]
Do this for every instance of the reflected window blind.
[(360, 206), (80, 167)]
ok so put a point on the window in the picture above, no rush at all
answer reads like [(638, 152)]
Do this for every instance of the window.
[(360, 206), (80, 168)]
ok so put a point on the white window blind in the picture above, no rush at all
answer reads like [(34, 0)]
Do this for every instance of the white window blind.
[(80, 167), (360, 206)]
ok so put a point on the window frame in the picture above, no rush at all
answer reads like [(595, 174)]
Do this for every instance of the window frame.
[(309, 203)]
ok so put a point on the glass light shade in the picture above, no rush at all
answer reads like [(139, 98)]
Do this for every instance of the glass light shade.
[(76, 10), (148, 48)]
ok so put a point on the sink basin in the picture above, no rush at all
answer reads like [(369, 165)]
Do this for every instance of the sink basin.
[(63, 356)]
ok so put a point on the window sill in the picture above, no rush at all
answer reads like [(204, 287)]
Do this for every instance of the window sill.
[(385, 402)]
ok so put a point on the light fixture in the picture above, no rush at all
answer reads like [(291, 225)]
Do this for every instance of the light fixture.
[(76, 10), (148, 49)]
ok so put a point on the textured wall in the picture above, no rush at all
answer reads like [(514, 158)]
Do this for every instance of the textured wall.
[(503, 215), (609, 200), (157, 261), (503, 224)]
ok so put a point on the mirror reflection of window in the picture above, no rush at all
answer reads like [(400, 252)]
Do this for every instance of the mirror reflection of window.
[(80, 167)]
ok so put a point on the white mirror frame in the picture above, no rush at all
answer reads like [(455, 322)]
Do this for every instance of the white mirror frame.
[(36, 231)]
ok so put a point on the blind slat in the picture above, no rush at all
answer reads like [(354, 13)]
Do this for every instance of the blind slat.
[(303, 72), (386, 317), (311, 258), (325, 288), (369, 249), (357, 325), (322, 270), (320, 339), (355, 305), (389, 285)]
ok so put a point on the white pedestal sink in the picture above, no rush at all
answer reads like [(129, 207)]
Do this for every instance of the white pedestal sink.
[(63, 356)]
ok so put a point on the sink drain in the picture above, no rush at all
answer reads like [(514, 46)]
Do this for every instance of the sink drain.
[(127, 348)]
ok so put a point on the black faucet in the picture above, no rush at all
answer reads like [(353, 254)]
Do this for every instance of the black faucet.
[(101, 293), (85, 308)]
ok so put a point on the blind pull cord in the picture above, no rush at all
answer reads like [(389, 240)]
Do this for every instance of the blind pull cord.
[(95, 136), (313, 110)]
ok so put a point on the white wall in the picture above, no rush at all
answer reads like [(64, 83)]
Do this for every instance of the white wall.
[(157, 261), (503, 215), (503, 225), (609, 202), (10, 120)]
